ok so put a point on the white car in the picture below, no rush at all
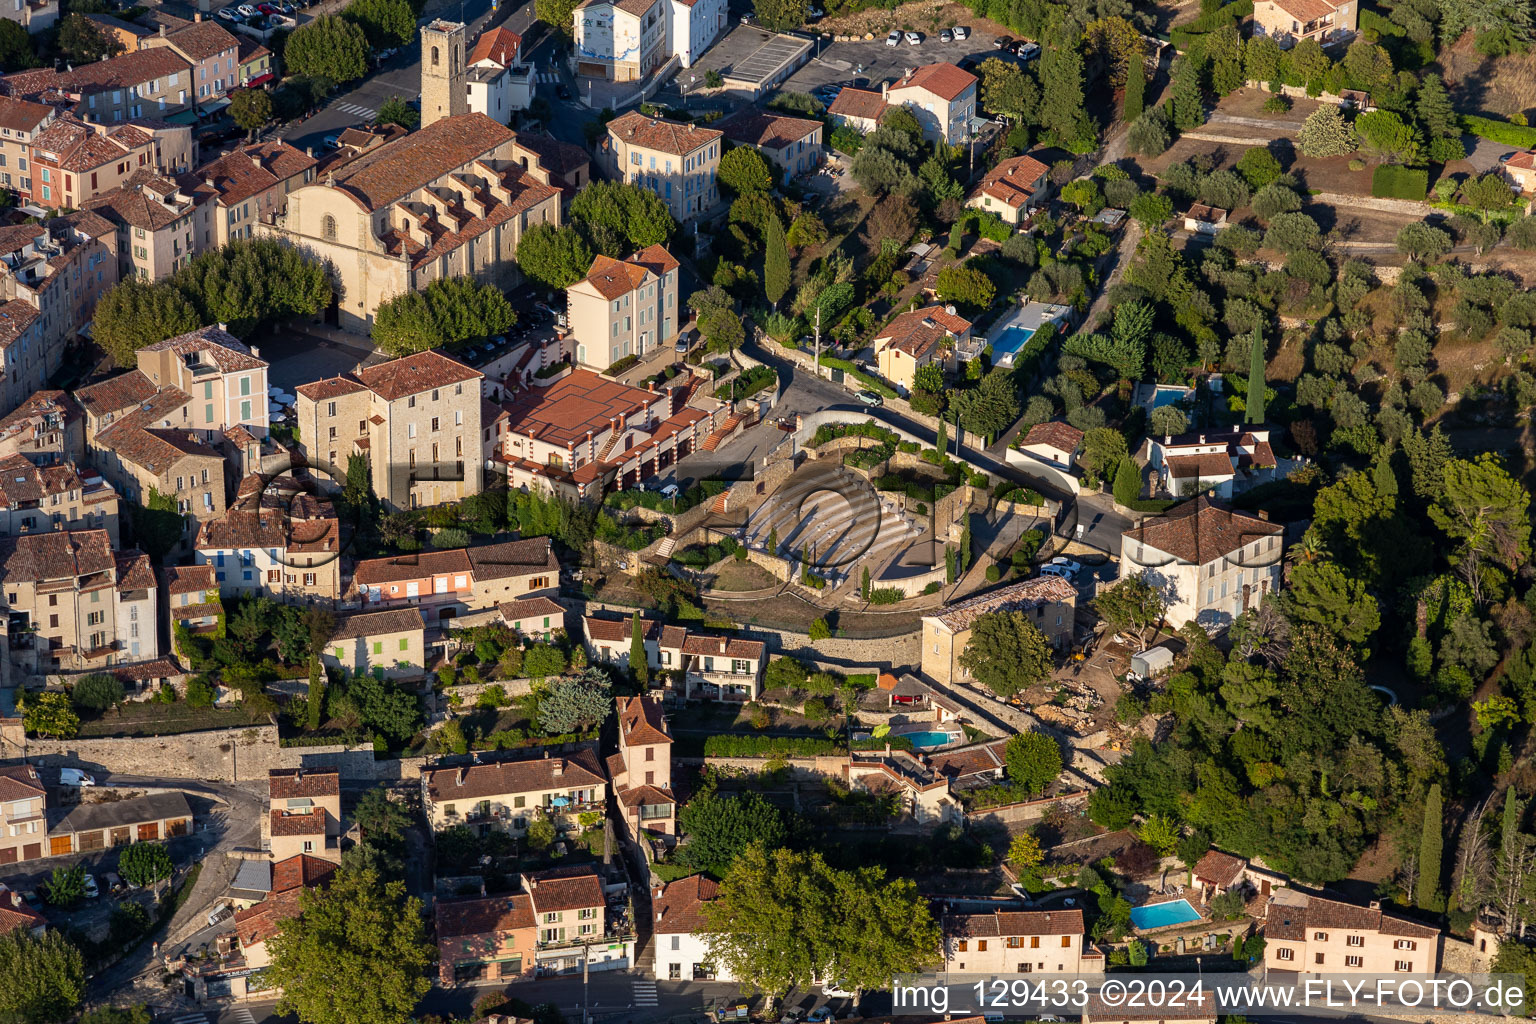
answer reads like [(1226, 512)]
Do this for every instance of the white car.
[(1056, 570), (1067, 564), (74, 777), (228, 14), (91, 891), (247, 11), (962, 33), (837, 990), (893, 38), (913, 38)]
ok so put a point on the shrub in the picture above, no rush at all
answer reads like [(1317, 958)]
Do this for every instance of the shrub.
[(1502, 132), (1393, 182), (886, 595), (735, 745), (994, 573), (96, 692)]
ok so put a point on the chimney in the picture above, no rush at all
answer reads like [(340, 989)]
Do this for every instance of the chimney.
[(1264, 514), (463, 774), (162, 31), (197, 16), (885, 88), (559, 767), (255, 352), (255, 159), (309, 151), (1375, 904)]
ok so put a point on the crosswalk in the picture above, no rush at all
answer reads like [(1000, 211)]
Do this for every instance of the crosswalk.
[(357, 110), (241, 1015), (645, 993), (548, 77), (191, 1018)]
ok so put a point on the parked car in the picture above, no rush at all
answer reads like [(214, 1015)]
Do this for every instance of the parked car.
[(1067, 563), (1056, 570), (228, 14), (962, 33), (91, 890), (821, 1015), (913, 38), (74, 777), (220, 913), (32, 899), (793, 1015), (1029, 51), (870, 398), (247, 11), (268, 9), (893, 38), (1002, 42), (837, 990), (113, 883), (387, 53), (946, 36), (562, 92)]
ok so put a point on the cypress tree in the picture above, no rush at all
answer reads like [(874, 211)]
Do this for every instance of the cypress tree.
[(1255, 405), (637, 662), (316, 692), (1135, 90), (1431, 845), (775, 262), (943, 438)]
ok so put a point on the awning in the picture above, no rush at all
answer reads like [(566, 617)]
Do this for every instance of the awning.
[(183, 117), (260, 79)]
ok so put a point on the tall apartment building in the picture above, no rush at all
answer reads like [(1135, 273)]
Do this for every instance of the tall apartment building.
[(151, 83), (21, 121), (416, 420), (74, 161), (64, 496), (626, 40), (497, 82), (276, 541), (23, 814), (160, 224), (68, 609), (51, 276), (678, 162), (624, 307), (46, 429), (211, 50), (312, 795), (941, 96), (642, 769)]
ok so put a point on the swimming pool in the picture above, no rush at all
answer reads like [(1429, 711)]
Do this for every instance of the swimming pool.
[(928, 740), (1008, 343), (1161, 915)]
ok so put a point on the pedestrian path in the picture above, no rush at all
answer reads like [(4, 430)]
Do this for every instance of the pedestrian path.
[(548, 77), (645, 993), (357, 110)]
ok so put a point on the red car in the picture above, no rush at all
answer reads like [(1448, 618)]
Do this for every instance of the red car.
[(268, 9)]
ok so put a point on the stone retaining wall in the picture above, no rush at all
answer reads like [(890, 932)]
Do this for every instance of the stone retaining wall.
[(1028, 810), (468, 693), (801, 768)]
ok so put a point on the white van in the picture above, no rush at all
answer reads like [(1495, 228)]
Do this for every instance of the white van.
[(74, 777)]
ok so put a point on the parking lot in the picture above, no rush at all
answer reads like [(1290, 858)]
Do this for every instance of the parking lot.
[(875, 62)]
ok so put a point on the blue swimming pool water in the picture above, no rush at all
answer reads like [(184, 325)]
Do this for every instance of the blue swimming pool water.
[(1009, 341), (925, 740), (1167, 396), (1160, 915)]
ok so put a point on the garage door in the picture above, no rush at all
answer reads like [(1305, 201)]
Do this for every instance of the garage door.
[(32, 851), (8, 855), (59, 845), (177, 828), (91, 840), (149, 830)]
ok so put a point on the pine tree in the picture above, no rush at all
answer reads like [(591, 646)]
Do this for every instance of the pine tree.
[(1437, 118), (1135, 90), (637, 661), (775, 262), (1188, 102), (942, 441), (1431, 845), (1254, 407), (1062, 104), (1325, 133)]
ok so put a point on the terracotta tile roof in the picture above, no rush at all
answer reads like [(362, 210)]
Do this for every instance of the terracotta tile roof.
[(645, 795), (20, 782), (579, 769), (499, 46), (963, 762), (1026, 595), (391, 172), (227, 352), (1306, 10), (15, 317), (15, 914), (1054, 434), (1013, 181), (297, 783), (1201, 531), (301, 871), (483, 915), (297, 824), (374, 571), (116, 393), (1291, 913), (531, 607), (331, 387), (143, 671), (22, 116), (1206, 214), (251, 170), (1525, 161), (1002, 923), (679, 908), (656, 259), (416, 373), (581, 401), (917, 331), (556, 890), (613, 278), (250, 50), (135, 572), (556, 157), (723, 646), (771, 131), (512, 558), (70, 554), (190, 579), (153, 449), (136, 202), (943, 80), (366, 624), (1211, 466), (859, 103), (126, 69), (1219, 868), (635, 129), (202, 40), (641, 721)]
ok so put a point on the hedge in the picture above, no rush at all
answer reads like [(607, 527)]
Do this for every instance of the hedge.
[(886, 595), (1370, 21), (1502, 132), (1184, 35), (869, 428), (733, 745), (1393, 182), (874, 384), (879, 743)]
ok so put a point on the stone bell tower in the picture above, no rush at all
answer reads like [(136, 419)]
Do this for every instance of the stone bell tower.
[(443, 91)]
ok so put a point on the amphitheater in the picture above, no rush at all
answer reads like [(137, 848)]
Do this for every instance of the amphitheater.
[(839, 521)]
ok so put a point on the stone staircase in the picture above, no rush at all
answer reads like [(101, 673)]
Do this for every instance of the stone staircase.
[(717, 438)]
